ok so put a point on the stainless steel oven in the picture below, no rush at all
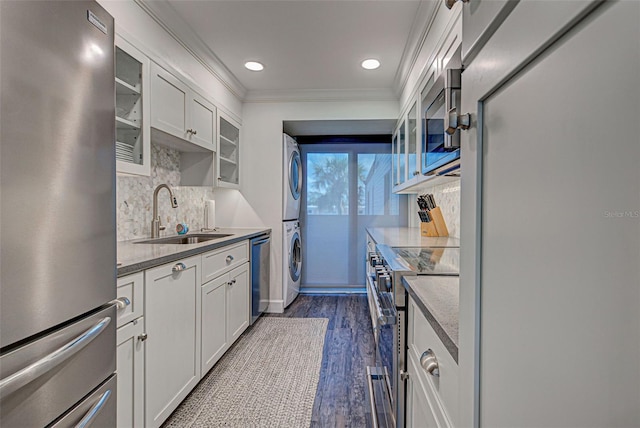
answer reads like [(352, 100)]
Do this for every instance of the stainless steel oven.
[(385, 268)]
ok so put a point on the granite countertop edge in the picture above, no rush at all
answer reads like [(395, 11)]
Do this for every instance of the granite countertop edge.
[(173, 252), (447, 341)]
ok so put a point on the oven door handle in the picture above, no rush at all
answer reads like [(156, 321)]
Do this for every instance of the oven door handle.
[(372, 399), (382, 318)]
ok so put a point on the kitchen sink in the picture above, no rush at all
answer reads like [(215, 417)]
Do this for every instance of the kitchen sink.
[(186, 239)]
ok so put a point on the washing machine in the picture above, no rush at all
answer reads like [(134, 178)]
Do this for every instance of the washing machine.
[(292, 260), (292, 179)]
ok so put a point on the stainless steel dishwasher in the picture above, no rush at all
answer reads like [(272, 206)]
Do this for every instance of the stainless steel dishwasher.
[(260, 262)]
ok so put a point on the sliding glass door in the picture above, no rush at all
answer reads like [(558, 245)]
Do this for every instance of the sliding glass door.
[(347, 189)]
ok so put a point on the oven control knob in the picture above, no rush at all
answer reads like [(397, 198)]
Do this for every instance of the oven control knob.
[(386, 282)]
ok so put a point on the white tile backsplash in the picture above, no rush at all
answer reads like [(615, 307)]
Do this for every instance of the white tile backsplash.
[(134, 198)]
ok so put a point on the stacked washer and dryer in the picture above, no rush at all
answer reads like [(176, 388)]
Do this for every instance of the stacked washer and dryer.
[(291, 244)]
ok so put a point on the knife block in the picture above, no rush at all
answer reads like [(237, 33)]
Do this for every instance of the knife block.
[(437, 225), (428, 229), (438, 220)]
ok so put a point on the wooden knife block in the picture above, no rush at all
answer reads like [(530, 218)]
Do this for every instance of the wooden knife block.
[(437, 227), (428, 229)]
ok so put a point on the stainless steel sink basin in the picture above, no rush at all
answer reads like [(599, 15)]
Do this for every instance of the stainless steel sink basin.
[(186, 239)]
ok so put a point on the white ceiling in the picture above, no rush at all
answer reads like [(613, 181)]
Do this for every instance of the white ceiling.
[(304, 44)]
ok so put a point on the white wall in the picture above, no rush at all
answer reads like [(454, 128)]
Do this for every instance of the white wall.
[(262, 164), (139, 29)]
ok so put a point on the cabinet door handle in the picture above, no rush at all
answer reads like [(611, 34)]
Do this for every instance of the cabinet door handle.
[(450, 3), (190, 131), (233, 281), (429, 363), (194, 132), (229, 258), (178, 267), (142, 337)]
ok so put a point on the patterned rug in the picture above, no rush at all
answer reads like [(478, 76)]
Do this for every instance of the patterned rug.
[(267, 379)]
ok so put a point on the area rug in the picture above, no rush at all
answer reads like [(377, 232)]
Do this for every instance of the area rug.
[(267, 379)]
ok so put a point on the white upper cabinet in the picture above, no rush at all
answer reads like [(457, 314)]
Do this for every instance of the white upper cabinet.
[(169, 103), (480, 21), (228, 152), (203, 121), (132, 110), (180, 112)]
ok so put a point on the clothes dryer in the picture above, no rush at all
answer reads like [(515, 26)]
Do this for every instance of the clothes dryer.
[(292, 260), (292, 179)]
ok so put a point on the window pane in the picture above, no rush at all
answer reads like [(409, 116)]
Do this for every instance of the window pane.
[(328, 183), (374, 185)]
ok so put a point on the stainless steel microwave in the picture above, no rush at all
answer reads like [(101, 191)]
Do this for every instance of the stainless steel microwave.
[(440, 141)]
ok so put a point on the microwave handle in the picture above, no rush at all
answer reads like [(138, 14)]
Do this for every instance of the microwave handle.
[(452, 120)]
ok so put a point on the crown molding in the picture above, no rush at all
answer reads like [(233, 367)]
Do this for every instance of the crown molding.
[(420, 28), (165, 15), (319, 95)]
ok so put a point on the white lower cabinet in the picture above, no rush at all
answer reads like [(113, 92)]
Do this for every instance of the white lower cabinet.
[(225, 313), (432, 398), (172, 320), (420, 410), (130, 351), (130, 370), (238, 302), (214, 321)]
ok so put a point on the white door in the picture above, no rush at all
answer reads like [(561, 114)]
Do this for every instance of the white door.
[(169, 98), (214, 321), (559, 189), (203, 122), (172, 359), (130, 371), (238, 302)]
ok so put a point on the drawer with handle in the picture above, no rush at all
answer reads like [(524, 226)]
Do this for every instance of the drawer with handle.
[(217, 262), (435, 365), (130, 298)]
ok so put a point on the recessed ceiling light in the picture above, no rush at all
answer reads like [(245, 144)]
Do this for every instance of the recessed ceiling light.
[(370, 64), (254, 66)]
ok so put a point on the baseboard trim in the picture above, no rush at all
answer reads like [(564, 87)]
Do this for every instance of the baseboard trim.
[(332, 290), (275, 307)]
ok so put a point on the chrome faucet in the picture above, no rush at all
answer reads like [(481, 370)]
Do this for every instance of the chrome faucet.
[(155, 223)]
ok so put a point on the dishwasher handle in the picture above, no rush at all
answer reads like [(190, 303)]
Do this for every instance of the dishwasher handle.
[(262, 241)]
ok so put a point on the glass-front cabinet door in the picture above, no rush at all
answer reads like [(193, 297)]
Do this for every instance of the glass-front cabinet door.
[(395, 178), (413, 162), (132, 146), (228, 152), (402, 152)]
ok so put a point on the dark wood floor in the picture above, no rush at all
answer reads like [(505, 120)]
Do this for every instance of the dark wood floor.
[(348, 350)]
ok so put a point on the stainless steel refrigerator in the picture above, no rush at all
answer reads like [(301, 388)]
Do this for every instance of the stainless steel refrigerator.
[(57, 214)]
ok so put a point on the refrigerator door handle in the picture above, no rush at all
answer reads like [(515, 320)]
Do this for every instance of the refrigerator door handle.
[(94, 410), (33, 371)]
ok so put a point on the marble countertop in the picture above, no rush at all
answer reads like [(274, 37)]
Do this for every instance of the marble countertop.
[(438, 298), (408, 237), (134, 257)]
